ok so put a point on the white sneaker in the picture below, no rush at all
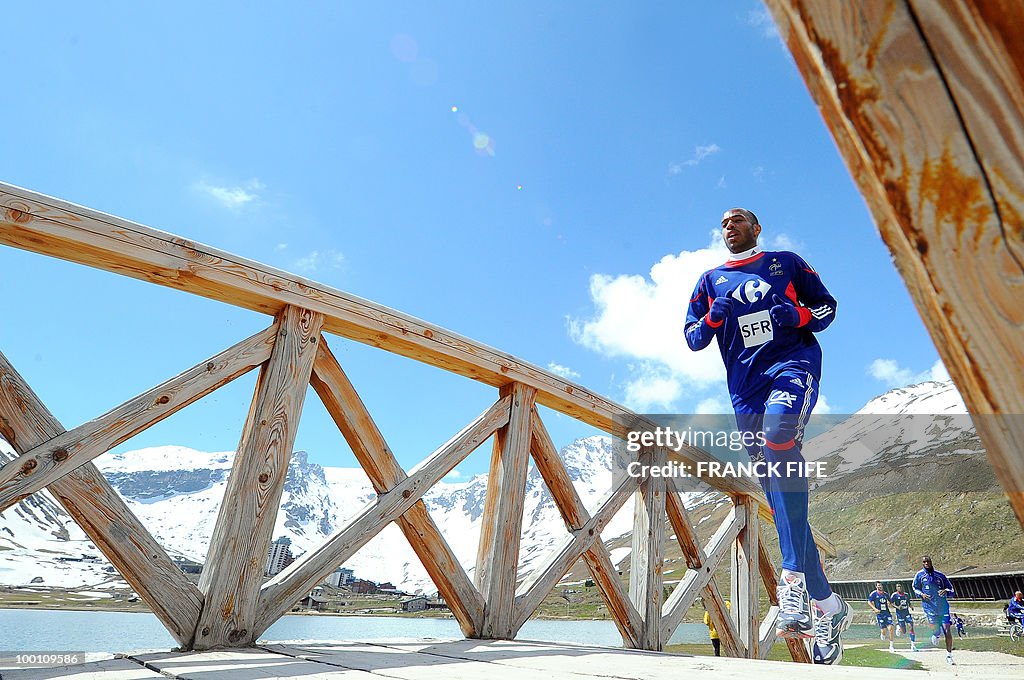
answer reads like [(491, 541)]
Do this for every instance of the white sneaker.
[(913, 647), (899, 632), (891, 648), (949, 659), (881, 635), (794, 609), (935, 640)]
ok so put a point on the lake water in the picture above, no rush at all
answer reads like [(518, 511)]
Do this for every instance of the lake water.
[(73, 631)]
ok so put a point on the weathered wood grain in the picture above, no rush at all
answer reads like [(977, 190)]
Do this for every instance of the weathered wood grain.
[(501, 525), (924, 100), (681, 526), (374, 455), (49, 226), (694, 580), (50, 460), (722, 618), (596, 557), (744, 578), (234, 566), (537, 585), (280, 593), (25, 423), (647, 558)]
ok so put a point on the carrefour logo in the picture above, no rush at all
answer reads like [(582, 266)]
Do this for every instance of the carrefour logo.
[(751, 291)]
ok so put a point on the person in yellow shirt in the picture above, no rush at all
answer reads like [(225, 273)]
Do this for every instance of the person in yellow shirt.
[(716, 642)]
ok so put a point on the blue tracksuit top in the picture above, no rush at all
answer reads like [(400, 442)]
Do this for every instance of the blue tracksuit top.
[(931, 584), (753, 349)]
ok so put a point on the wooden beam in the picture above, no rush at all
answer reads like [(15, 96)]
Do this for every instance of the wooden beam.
[(924, 101), (680, 523), (598, 560), (283, 591), (770, 579), (102, 514), (375, 456), (647, 559), (501, 526), (766, 633), (236, 557), (722, 618), (49, 226), (50, 460), (694, 581), (744, 578), (538, 584)]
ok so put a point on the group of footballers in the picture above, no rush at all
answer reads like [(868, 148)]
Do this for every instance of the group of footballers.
[(934, 589)]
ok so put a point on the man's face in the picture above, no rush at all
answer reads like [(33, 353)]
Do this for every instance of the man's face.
[(927, 564), (899, 589), (878, 587), (737, 231)]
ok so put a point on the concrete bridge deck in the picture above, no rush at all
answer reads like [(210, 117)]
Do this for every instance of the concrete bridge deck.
[(450, 659)]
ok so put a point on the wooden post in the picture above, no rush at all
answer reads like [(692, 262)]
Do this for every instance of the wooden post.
[(924, 101), (101, 513), (745, 579), (235, 561), (501, 526), (646, 580)]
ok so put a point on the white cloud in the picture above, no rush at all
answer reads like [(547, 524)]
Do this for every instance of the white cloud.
[(702, 152), (822, 407), (232, 198), (762, 18), (892, 374), (318, 260), (563, 371), (721, 183), (641, 318), (652, 388), (713, 405), (454, 474)]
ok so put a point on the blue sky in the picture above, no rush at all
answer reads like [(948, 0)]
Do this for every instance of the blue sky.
[(544, 178)]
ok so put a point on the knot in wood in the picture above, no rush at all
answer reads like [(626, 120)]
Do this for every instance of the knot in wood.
[(428, 333), (236, 635), (205, 631), (163, 399), (60, 455), (264, 477), (406, 493), (18, 216), (210, 366), (28, 467)]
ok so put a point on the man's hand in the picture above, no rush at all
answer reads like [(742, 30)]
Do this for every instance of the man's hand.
[(784, 313), (942, 592), (721, 308), (926, 596)]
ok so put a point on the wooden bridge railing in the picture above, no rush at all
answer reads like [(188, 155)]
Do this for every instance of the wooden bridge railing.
[(232, 604)]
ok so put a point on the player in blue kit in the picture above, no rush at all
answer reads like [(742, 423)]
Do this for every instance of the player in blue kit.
[(764, 308), (878, 600), (904, 619), (934, 590)]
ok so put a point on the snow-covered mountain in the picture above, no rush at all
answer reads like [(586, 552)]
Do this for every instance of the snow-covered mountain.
[(176, 492)]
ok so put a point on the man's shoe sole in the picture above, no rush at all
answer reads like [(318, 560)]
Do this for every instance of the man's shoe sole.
[(794, 632)]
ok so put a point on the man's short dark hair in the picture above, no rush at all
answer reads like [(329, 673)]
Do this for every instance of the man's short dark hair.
[(751, 217)]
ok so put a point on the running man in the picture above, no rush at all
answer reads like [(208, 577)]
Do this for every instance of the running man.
[(764, 309), (934, 589), (878, 600), (904, 619)]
